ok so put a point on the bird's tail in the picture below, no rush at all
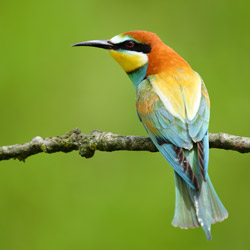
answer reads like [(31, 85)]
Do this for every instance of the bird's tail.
[(197, 208)]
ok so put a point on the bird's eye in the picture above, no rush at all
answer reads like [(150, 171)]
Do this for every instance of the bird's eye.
[(130, 44)]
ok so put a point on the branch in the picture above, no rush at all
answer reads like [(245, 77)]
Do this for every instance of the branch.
[(106, 141)]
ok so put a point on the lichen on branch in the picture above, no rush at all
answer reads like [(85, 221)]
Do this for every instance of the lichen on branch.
[(107, 141)]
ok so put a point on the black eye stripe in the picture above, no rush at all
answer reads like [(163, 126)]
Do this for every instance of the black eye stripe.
[(139, 47)]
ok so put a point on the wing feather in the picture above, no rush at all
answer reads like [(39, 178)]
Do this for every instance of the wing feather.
[(171, 134)]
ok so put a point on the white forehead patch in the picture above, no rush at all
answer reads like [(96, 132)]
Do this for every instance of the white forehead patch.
[(119, 39)]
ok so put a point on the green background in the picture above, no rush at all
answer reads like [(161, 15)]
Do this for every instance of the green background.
[(121, 200)]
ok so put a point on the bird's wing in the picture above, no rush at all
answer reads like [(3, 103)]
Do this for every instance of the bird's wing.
[(198, 130), (165, 117), (198, 125)]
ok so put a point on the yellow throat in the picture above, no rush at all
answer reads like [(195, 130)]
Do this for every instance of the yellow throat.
[(129, 60)]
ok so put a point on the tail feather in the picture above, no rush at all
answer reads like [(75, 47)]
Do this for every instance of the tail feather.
[(197, 208), (203, 209), (218, 211), (185, 215)]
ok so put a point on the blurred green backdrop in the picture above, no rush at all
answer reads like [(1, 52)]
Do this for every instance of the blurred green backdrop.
[(121, 200)]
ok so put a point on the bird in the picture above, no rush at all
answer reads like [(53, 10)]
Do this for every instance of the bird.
[(173, 105)]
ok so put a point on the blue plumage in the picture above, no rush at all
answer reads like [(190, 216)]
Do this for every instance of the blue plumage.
[(185, 145)]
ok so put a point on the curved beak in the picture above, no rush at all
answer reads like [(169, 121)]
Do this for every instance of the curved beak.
[(104, 44)]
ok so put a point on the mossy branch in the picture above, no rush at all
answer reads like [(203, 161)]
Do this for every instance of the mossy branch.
[(106, 141)]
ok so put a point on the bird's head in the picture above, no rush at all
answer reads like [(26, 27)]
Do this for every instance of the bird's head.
[(140, 53)]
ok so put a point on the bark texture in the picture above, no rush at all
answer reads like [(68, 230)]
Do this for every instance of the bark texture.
[(107, 141)]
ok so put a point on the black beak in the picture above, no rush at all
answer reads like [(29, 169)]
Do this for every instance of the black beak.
[(104, 44)]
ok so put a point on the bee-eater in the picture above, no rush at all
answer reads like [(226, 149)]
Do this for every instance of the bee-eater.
[(173, 105)]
